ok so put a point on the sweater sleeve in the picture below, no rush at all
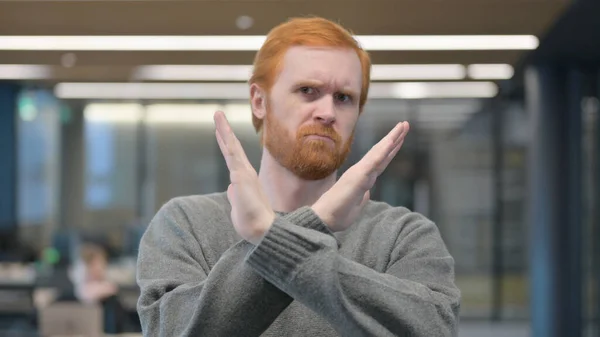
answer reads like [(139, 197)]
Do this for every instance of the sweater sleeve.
[(180, 296), (415, 296)]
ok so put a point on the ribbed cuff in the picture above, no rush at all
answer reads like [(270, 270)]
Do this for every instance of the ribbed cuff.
[(283, 249), (307, 218)]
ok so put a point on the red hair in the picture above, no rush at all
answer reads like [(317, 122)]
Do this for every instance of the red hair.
[(313, 32)]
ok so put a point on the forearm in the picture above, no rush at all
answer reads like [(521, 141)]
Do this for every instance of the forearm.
[(183, 294), (231, 301), (353, 298)]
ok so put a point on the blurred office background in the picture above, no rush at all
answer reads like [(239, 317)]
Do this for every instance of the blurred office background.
[(96, 133)]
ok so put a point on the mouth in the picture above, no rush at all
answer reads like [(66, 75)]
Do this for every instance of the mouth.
[(319, 137)]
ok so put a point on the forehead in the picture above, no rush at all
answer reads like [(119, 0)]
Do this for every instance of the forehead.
[(337, 66)]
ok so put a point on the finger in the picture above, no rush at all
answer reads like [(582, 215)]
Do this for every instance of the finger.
[(227, 152), (230, 146), (236, 160), (403, 133), (394, 152), (405, 130), (382, 149), (222, 126), (228, 138), (389, 158), (400, 139), (389, 142), (222, 145)]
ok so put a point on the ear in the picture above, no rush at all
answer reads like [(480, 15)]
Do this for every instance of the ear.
[(258, 101)]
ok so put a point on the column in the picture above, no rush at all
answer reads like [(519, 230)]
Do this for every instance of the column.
[(72, 175), (8, 155), (8, 161), (553, 97)]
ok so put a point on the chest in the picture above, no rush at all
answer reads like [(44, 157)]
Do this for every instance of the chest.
[(366, 243), (299, 321)]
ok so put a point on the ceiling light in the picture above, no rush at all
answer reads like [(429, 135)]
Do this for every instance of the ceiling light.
[(165, 113), (24, 72), (128, 43), (244, 22), (181, 113), (422, 90), (113, 113), (490, 71), (449, 42), (402, 90), (254, 42), (238, 113), (68, 60), (193, 73), (382, 72), (152, 90), (379, 72)]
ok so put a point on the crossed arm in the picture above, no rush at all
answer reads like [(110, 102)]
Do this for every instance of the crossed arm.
[(250, 285), (181, 295)]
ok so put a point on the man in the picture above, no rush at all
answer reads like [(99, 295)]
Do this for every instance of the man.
[(292, 250)]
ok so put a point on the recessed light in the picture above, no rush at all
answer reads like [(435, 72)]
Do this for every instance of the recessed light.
[(244, 22)]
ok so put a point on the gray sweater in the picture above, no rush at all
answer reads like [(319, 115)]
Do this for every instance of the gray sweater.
[(389, 274)]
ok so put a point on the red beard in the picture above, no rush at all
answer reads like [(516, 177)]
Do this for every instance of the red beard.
[(309, 159)]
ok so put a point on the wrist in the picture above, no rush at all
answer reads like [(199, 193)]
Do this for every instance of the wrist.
[(262, 229), (323, 215)]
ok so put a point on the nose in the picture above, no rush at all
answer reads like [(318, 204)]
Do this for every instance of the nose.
[(325, 111)]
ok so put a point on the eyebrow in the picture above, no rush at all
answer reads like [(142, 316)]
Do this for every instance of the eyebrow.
[(316, 83)]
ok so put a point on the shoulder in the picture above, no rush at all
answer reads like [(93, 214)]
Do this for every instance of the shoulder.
[(379, 211), (189, 214), (397, 219), (384, 232), (202, 204), (188, 208), (198, 224)]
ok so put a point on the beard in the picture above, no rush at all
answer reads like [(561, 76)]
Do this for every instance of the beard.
[(309, 159)]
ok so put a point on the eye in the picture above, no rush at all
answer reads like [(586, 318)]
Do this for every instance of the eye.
[(307, 90), (344, 98)]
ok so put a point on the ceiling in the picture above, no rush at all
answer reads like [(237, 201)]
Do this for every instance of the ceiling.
[(174, 17), (574, 37)]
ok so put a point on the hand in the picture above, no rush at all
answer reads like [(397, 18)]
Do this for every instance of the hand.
[(340, 205), (251, 213), (95, 291)]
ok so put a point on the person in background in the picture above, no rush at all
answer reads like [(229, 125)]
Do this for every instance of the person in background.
[(295, 250), (88, 275)]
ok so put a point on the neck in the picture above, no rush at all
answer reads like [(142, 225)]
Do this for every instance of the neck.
[(287, 192)]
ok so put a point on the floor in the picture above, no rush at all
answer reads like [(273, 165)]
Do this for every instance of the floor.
[(486, 329), (507, 329)]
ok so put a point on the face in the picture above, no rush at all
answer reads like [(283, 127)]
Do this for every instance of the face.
[(92, 270), (96, 269), (312, 109)]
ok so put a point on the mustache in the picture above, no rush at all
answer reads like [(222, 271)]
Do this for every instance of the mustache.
[(319, 130)]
